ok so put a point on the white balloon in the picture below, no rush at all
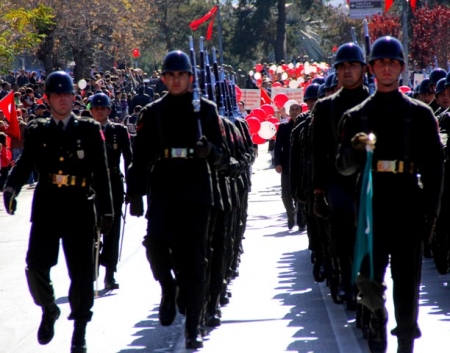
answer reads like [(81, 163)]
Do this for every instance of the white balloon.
[(279, 70), (293, 84), (267, 130), (284, 76), (291, 65), (251, 72), (82, 84), (288, 104), (257, 75), (273, 68), (300, 79)]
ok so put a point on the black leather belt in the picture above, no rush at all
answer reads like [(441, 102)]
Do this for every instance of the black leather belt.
[(61, 180), (393, 167)]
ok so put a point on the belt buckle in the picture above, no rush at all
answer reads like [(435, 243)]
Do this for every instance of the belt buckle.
[(178, 152), (60, 180), (387, 166)]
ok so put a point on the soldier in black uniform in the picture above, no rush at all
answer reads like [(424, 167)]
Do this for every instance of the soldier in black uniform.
[(435, 76), (118, 144), (334, 193), (171, 165), (404, 207), (70, 157)]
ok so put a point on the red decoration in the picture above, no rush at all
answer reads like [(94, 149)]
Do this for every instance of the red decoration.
[(258, 139), (335, 48), (258, 67), (268, 109), (253, 124), (259, 113), (194, 25), (136, 53), (238, 93), (280, 99)]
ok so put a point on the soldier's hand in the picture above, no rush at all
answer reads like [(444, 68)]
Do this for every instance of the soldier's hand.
[(278, 168), (136, 205), (430, 224), (362, 141), (320, 206), (9, 199), (106, 223), (203, 148)]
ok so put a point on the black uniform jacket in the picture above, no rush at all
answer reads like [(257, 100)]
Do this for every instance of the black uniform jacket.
[(392, 130), (164, 162), (72, 167)]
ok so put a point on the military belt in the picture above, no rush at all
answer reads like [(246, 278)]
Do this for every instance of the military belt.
[(183, 153), (393, 167), (61, 180)]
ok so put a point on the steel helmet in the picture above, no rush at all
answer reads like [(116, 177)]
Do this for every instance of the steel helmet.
[(349, 52), (318, 80), (311, 91), (177, 61), (424, 86), (321, 92), (436, 75), (447, 80), (100, 100), (59, 82), (387, 48), (440, 86), (328, 81)]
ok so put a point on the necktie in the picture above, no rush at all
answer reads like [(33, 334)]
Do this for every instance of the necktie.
[(61, 126)]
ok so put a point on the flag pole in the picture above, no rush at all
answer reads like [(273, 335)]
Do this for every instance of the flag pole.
[(405, 75), (219, 32)]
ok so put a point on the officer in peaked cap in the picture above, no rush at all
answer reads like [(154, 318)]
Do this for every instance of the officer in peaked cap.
[(172, 158), (118, 145), (70, 155), (405, 143)]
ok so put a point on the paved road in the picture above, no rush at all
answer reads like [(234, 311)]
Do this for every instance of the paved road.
[(276, 306)]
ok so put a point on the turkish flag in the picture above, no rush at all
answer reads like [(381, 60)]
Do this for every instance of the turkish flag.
[(265, 99), (387, 5), (8, 106), (194, 25)]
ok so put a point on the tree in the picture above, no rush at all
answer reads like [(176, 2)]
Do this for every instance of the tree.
[(387, 24), (431, 30)]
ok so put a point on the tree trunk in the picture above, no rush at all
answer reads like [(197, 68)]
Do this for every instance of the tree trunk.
[(45, 52), (280, 42)]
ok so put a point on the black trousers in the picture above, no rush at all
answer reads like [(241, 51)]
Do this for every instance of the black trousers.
[(43, 248), (176, 240)]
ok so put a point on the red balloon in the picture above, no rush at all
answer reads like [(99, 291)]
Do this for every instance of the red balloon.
[(280, 99), (257, 139), (258, 67), (276, 84), (268, 109), (259, 82), (238, 93), (284, 67), (276, 125), (273, 120), (304, 107), (253, 124), (259, 113)]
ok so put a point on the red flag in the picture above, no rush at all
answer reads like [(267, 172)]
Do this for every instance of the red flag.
[(413, 4), (265, 99), (194, 25), (8, 106), (387, 5)]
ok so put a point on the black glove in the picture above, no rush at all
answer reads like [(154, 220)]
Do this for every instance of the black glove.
[(106, 223), (430, 223), (9, 199), (320, 207), (203, 148), (136, 205)]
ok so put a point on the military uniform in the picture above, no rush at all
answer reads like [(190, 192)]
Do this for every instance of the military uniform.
[(118, 144), (73, 172), (407, 135)]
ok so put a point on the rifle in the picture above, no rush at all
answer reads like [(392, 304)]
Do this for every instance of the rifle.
[(124, 217), (195, 88), (96, 263), (210, 81), (202, 78), (370, 78), (220, 90), (225, 88), (352, 31)]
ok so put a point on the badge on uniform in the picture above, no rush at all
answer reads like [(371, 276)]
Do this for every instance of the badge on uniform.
[(115, 146), (80, 154)]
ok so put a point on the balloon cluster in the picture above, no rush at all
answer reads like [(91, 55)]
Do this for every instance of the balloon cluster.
[(289, 75), (262, 123)]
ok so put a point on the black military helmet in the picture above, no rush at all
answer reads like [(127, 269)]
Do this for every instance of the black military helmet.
[(424, 87), (100, 100), (447, 80), (440, 86), (318, 80), (177, 61), (387, 48), (436, 75), (334, 81), (311, 91), (328, 81), (59, 82), (321, 92), (349, 52)]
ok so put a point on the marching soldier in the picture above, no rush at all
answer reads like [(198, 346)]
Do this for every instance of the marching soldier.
[(118, 144), (172, 167), (334, 196), (407, 144), (69, 154), (435, 76)]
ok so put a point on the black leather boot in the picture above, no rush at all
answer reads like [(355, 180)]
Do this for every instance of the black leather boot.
[(212, 315), (78, 337), (110, 282), (192, 332), (167, 307), (46, 330), (405, 345), (377, 336)]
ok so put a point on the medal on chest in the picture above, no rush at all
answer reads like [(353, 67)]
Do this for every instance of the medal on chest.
[(80, 152)]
